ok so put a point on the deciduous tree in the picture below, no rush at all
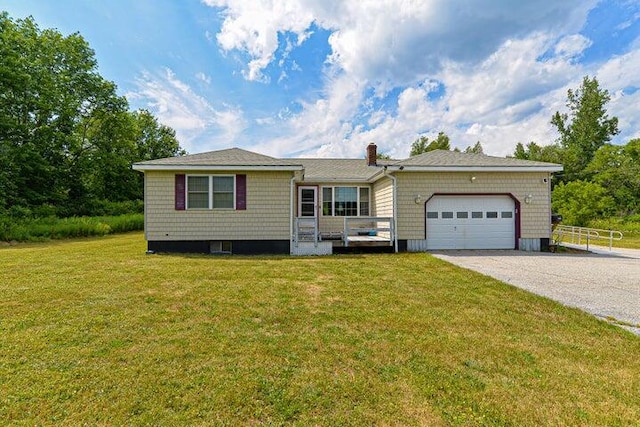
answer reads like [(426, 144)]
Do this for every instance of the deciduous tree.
[(66, 136), (585, 128), (547, 153), (475, 149), (581, 201), (423, 145), (617, 168)]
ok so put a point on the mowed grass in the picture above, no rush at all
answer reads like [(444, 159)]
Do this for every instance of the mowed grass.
[(630, 240), (96, 332)]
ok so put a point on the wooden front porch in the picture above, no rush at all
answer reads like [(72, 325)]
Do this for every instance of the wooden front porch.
[(357, 232)]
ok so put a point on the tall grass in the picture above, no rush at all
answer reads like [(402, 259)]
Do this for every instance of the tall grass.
[(629, 224), (41, 229)]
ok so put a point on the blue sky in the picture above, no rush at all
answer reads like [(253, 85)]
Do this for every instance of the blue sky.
[(325, 78)]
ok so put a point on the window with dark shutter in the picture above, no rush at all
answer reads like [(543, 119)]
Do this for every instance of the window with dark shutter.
[(180, 192)]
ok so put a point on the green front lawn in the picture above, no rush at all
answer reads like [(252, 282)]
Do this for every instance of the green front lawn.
[(94, 331)]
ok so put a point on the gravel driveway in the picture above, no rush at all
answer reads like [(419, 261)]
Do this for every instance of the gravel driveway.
[(605, 285)]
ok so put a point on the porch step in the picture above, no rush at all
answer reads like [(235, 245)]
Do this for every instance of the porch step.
[(311, 248)]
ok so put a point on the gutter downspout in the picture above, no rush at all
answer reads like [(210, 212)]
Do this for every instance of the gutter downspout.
[(395, 210), (291, 211)]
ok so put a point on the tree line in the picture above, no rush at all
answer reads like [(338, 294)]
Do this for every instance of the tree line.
[(67, 139), (599, 179), (441, 142)]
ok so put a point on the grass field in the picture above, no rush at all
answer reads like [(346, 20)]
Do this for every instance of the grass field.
[(630, 240), (93, 331)]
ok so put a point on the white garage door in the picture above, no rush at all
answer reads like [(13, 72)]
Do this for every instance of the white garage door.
[(471, 222)]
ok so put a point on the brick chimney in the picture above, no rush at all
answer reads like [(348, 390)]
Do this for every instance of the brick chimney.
[(372, 154)]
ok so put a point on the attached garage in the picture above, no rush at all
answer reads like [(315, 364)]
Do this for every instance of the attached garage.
[(471, 222)]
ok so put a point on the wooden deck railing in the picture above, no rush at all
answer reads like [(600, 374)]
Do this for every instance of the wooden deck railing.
[(306, 230), (372, 229)]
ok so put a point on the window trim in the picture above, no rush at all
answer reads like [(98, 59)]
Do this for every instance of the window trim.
[(188, 193), (210, 192), (333, 200)]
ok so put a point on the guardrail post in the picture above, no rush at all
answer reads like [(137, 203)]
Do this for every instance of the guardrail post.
[(588, 236), (346, 232), (610, 240)]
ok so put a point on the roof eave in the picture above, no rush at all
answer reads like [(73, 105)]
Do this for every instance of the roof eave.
[(143, 167), (333, 179), (475, 168)]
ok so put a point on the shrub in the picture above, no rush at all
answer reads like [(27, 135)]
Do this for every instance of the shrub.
[(108, 208), (630, 224), (124, 223), (581, 201), (19, 212), (45, 210), (28, 229)]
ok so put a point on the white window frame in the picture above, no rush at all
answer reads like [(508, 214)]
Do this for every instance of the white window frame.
[(187, 192), (210, 190), (333, 200)]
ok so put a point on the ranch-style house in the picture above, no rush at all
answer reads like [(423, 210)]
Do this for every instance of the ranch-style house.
[(240, 202)]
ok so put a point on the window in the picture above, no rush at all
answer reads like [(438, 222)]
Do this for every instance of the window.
[(220, 247), (507, 214), (364, 201), (345, 201), (462, 215), (210, 192), (198, 192), (476, 214), (447, 215), (432, 215), (492, 214), (327, 201), (222, 192)]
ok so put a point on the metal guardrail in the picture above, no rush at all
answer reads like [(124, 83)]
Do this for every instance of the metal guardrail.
[(584, 235)]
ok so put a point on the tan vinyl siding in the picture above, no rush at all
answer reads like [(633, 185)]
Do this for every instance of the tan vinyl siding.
[(266, 217), (382, 198), (534, 217)]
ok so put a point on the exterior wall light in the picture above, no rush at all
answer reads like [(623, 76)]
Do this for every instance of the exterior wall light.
[(528, 198), (418, 199), (473, 179)]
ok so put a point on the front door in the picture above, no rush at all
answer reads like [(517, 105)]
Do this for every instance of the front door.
[(307, 201)]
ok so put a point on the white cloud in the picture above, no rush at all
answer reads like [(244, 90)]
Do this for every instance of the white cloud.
[(203, 78), (504, 69), (390, 40), (253, 27), (572, 46), (507, 98), (629, 22), (618, 75), (198, 125), (321, 124)]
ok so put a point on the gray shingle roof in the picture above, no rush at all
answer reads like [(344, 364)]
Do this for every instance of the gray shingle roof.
[(444, 158), (344, 169), (229, 157), (337, 169)]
